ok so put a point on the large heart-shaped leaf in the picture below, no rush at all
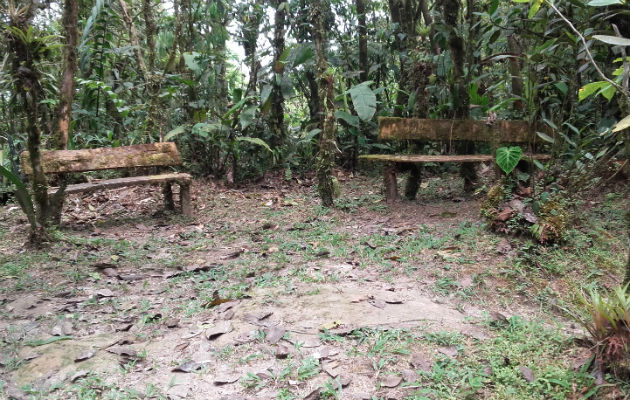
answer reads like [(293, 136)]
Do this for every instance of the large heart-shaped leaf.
[(508, 158), (364, 100)]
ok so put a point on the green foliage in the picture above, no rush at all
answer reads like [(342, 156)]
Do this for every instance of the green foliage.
[(508, 157), (607, 320)]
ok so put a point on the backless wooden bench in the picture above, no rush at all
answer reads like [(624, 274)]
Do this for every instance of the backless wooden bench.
[(427, 130), (124, 157)]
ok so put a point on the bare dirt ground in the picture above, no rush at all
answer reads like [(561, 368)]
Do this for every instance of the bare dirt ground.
[(264, 295)]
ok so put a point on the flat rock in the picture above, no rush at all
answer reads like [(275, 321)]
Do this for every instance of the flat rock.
[(391, 381), (275, 334), (218, 329)]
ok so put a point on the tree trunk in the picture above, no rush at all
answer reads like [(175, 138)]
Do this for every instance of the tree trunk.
[(363, 75), (250, 28), (25, 55), (61, 124), (327, 143), (277, 99), (459, 93)]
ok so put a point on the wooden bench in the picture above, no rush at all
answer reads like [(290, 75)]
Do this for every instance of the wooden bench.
[(447, 131), (124, 157)]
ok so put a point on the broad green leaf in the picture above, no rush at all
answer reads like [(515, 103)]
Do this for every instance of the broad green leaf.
[(21, 194), (256, 141), (520, 1), (545, 137), (608, 92), (265, 94), (603, 3), (189, 59), (591, 88), (508, 157), (236, 106), (304, 53), (614, 40), (350, 119), (174, 132), (533, 9), (621, 125), (364, 100), (247, 116), (561, 86)]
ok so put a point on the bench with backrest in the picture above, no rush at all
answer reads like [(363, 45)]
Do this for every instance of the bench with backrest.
[(449, 131), (118, 158)]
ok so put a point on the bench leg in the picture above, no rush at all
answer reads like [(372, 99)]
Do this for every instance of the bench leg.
[(184, 198), (167, 191), (413, 182), (389, 179)]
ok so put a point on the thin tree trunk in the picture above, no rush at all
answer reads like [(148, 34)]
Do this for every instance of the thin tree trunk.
[(459, 93), (61, 124), (277, 99), (363, 75), (327, 143)]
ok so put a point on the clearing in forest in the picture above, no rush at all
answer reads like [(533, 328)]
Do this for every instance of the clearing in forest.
[(266, 295)]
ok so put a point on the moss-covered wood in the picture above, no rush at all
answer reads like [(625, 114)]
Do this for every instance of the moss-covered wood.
[(419, 158), (98, 185), (141, 155), (391, 128)]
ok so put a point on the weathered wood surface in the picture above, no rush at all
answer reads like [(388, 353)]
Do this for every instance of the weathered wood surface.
[(419, 158), (501, 131), (182, 179), (140, 155)]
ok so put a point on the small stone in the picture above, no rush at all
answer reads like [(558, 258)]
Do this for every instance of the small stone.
[(172, 322), (449, 351), (391, 381), (275, 334), (408, 375), (282, 352), (527, 374), (219, 329)]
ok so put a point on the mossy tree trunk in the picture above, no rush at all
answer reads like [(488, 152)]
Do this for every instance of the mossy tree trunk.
[(363, 74), (459, 93), (276, 117), (327, 142), (26, 53)]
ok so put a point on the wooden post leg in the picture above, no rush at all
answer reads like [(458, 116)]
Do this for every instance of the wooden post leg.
[(184, 198), (391, 185), (167, 191)]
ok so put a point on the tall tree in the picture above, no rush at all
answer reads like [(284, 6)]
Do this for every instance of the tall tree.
[(327, 123), (276, 117), (61, 124)]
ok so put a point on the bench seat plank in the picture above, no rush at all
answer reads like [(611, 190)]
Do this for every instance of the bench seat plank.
[(421, 158), (139, 155), (122, 182)]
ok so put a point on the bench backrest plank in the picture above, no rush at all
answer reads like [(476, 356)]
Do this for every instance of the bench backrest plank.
[(140, 155), (501, 131)]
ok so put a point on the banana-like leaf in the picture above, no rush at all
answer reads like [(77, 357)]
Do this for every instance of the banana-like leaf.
[(256, 141), (623, 124), (22, 195)]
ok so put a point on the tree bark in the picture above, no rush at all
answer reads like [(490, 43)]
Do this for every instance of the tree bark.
[(26, 53), (277, 99), (327, 143), (61, 124), (363, 75), (459, 93)]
